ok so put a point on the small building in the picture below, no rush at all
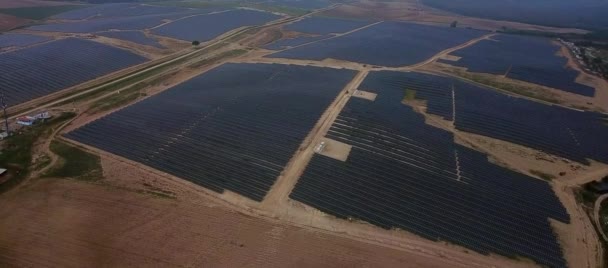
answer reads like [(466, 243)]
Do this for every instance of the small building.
[(3, 135), (31, 120), (2, 171), (26, 120)]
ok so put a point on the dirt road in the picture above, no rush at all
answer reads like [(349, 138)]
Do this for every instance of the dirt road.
[(279, 193), (596, 215)]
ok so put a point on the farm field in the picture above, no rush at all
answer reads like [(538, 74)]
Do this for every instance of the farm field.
[(132, 36), (36, 71), (207, 27), (88, 225), (402, 173), (20, 40), (219, 132), (385, 44), (571, 134), (325, 25), (523, 58)]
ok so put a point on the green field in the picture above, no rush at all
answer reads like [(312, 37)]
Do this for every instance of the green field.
[(75, 163)]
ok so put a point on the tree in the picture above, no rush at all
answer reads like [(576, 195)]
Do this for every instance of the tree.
[(196, 43), (454, 23)]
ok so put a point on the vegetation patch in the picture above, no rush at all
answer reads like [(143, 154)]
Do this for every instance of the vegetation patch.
[(17, 150), (76, 163), (542, 175), (227, 54), (38, 13), (517, 89), (604, 216)]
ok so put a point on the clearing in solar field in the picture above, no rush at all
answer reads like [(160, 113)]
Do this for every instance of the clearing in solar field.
[(232, 128)]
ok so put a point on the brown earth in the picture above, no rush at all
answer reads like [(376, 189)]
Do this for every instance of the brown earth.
[(74, 224), (8, 22)]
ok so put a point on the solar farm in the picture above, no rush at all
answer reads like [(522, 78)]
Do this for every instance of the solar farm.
[(133, 36), (511, 56), (37, 71), (251, 127), (387, 40), (343, 126), (213, 24), (20, 40)]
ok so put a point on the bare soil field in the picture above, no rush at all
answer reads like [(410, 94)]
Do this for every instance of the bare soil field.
[(74, 224), (8, 22), (334, 149)]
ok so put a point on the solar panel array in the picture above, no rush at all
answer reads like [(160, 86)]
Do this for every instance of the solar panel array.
[(292, 42), (303, 4), (571, 134), (325, 25), (106, 24), (207, 27), (402, 173), (37, 71), (21, 40), (133, 36), (385, 44), (232, 128), (568, 133), (117, 10), (525, 58)]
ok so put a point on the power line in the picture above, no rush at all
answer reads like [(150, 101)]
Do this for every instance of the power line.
[(3, 103)]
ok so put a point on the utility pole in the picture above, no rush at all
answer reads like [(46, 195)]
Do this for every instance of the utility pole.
[(3, 104)]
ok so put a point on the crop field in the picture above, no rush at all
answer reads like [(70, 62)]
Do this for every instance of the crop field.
[(529, 59), (220, 132), (325, 25), (291, 42), (118, 10), (207, 27), (385, 44), (133, 36), (571, 134), (20, 40), (402, 173), (36, 71)]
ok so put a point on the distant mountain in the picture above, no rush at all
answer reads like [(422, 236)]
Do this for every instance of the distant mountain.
[(586, 14)]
